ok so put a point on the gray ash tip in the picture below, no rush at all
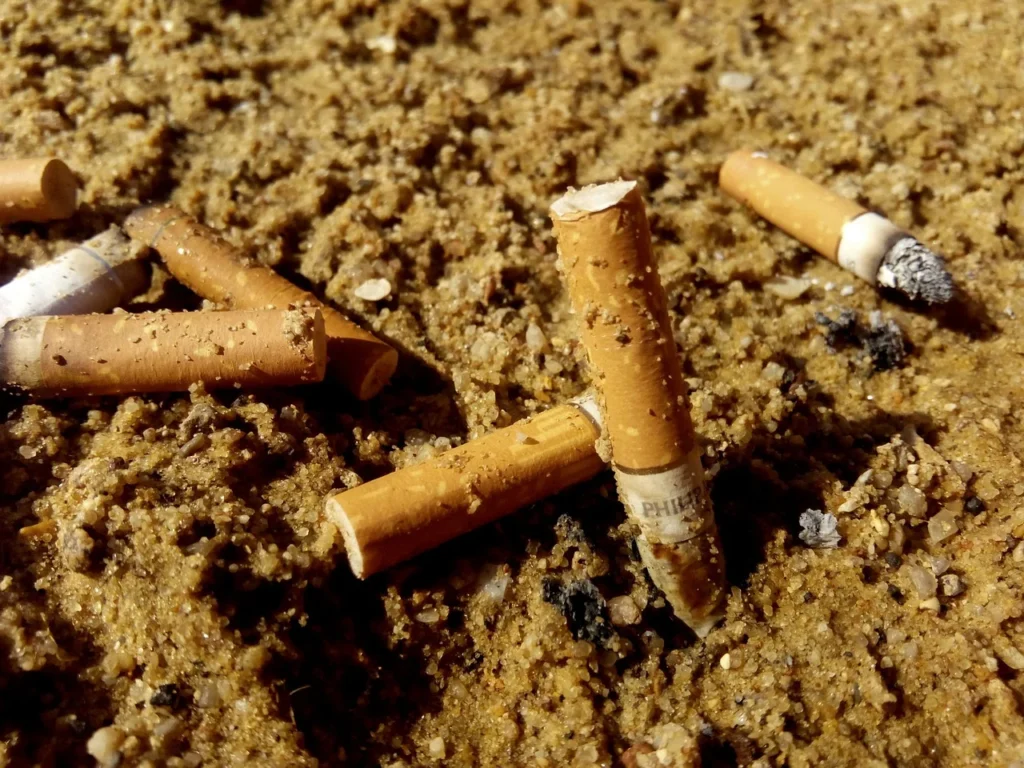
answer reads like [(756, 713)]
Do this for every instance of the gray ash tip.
[(918, 272)]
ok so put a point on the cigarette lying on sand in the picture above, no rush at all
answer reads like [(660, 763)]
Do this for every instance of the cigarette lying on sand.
[(36, 189), (67, 356), (862, 242), (198, 257), (395, 517), (95, 276), (605, 248)]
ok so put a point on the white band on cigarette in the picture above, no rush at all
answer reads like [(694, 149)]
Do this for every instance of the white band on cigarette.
[(864, 242), (588, 404), (670, 506), (78, 281)]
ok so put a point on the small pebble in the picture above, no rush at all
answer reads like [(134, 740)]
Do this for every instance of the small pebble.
[(974, 505), (912, 501), (726, 661), (931, 604), (623, 611), (437, 748), (536, 341), (923, 580), (1018, 552), (786, 287), (104, 745), (952, 585), (942, 525), (736, 81), (384, 43), (194, 445), (374, 290), (166, 695)]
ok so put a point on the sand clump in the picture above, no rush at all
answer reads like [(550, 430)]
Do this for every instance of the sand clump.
[(177, 598)]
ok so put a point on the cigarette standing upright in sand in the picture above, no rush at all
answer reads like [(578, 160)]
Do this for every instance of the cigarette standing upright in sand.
[(869, 245), (95, 276), (68, 356), (197, 256), (395, 517), (605, 249), (36, 189)]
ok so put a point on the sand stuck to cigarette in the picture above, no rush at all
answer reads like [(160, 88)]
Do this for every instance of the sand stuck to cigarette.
[(189, 596)]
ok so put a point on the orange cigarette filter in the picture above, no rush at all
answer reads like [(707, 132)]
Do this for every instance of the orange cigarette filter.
[(811, 213), (74, 355), (36, 189), (395, 517), (198, 257), (860, 241), (605, 248)]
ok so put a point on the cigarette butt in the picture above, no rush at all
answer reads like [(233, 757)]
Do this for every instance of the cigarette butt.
[(860, 241), (68, 356), (198, 257), (36, 189), (95, 276), (605, 248), (393, 518)]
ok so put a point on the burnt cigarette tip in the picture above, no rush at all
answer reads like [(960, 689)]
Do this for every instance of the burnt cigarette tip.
[(916, 271)]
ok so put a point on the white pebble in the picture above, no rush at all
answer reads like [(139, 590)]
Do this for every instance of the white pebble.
[(535, 338), (726, 661), (846, 290), (493, 582), (384, 43), (623, 611), (374, 290), (786, 287), (104, 745), (736, 81), (437, 749), (1018, 553)]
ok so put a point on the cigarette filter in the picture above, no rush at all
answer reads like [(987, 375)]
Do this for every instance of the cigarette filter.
[(95, 276), (605, 248), (36, 189), (198, 257), (395, 517), (67, 356), (864, 243)]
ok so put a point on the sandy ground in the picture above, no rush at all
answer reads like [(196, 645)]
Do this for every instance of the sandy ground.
[(196, 601)]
